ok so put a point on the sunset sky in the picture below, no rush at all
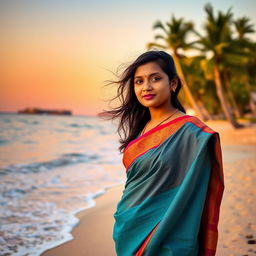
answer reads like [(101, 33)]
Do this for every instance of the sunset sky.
[(57, 54)]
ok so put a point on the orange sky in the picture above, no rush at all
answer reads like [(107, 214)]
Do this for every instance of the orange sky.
[(57, 56)]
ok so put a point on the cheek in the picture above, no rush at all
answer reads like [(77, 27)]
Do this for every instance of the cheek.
[(137, 91), (164, 93), (166, 90)]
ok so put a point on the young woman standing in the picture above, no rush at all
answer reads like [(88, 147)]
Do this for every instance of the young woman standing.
[(171, 199)]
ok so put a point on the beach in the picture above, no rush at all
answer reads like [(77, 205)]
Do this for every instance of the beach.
[(237, 226), (93, 235), (52, 167)]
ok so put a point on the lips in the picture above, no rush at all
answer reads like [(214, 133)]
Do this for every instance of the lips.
[(149, 96)]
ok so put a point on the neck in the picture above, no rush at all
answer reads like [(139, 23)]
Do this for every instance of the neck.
[(159, 114)]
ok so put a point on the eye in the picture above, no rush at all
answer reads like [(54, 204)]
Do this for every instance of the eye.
[(138, 81), (156, 78)]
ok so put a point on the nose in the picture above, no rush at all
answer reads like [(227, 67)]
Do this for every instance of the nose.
[(147, 86)]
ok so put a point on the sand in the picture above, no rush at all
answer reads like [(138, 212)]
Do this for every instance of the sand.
[(237, 226), (93, 235)]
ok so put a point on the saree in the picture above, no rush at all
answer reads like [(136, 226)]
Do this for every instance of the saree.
[(171, 198)]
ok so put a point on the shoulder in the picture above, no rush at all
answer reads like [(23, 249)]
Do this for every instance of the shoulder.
[(195, 122), (198, 131)]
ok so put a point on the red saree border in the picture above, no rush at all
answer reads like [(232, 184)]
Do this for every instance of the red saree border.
[(208, 234), (144, 244), (151, 139)]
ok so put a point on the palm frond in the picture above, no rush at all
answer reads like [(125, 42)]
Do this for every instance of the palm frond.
[(159, 24), (243, 26), (159, 37), (152, 45)]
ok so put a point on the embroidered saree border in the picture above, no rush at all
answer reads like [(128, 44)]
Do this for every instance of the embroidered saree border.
[(151, 139)]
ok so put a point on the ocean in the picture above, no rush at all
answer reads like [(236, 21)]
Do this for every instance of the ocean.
[(52, 167)]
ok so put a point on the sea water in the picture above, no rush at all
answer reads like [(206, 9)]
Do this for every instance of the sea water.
[(52, 167)]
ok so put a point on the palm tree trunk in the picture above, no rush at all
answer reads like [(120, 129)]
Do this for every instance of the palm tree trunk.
[(186, 88), (231, 95), (203, 108), (252, 105), (223, 102)]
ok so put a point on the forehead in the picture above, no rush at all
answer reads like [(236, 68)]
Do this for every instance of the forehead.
[(148, 68)]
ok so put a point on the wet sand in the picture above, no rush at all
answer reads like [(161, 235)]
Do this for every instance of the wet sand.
[(93, 235), (237, 226)]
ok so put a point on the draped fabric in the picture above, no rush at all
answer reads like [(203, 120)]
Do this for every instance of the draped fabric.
[(171, 199)]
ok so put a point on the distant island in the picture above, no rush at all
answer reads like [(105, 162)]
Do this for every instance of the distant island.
[(44, 111)]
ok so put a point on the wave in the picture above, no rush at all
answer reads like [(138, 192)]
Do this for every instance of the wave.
[(65, 159)]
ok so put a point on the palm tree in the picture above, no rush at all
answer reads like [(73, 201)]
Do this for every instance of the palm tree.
[(217, 41), (174, 38), (243, 27)]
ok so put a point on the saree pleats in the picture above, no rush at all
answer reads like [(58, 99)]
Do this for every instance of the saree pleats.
[(171, 199)]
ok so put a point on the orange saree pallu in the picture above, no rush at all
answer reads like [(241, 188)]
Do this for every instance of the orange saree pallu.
[(171, 199)]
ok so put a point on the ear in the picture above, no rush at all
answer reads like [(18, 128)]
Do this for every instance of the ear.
[(174, 84)]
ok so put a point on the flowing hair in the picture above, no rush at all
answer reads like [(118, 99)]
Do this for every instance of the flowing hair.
[(131, 115)]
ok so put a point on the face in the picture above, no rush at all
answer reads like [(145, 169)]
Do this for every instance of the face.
[(150, 79)]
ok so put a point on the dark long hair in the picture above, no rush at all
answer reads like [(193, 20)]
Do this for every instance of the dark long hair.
[(133, 116)]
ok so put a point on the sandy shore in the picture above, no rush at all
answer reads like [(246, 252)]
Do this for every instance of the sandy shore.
[(93, 235), (237, 227)]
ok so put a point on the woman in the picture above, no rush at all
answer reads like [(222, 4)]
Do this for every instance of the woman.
[(171, 199)]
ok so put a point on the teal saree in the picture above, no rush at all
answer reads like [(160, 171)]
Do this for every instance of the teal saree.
[(171, 199)]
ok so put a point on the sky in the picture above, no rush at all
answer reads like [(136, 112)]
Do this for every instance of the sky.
[(58, 54)]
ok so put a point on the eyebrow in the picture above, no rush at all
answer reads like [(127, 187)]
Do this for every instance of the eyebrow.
[(156, 73)]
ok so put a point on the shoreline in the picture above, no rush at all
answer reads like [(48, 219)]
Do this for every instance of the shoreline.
[(98, 219)]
